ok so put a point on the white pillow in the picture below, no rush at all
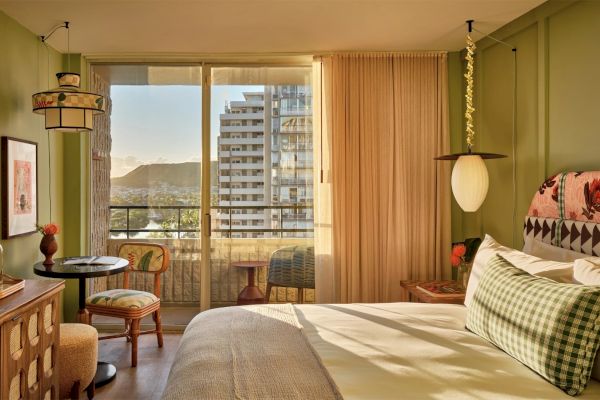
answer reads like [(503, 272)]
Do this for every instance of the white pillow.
[(557, 271), (587, 271), (548, 252)]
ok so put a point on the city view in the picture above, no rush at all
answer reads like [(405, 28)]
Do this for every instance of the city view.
[(261, 173)]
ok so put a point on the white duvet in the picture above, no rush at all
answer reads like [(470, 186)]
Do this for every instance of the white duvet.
[(417, 351)]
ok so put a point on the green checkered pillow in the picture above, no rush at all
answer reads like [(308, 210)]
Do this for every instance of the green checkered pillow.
[(553, 328)]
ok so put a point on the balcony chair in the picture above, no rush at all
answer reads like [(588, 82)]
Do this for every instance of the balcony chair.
[(133, 305), (292, 267)]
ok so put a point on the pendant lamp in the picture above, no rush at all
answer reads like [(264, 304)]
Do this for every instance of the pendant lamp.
[(469, 176), (67, 108)]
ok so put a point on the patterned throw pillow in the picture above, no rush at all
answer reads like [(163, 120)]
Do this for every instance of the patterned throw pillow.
[(553, 328)]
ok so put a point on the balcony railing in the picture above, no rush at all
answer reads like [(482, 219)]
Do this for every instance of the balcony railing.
[(225, 212), (181, 282)]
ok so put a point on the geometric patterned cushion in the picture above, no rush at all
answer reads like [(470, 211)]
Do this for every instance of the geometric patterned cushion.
[(122, 298), (579, 236), (565, 212), (553, 328)]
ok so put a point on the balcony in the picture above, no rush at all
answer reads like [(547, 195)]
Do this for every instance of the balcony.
[(259, 140), (260, 190), (243, 128), (246, 104), (181, 282), (241, 153), (241, 166), (229, 117), (243, 178)]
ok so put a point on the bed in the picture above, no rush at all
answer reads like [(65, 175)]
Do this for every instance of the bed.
[(366, 351)]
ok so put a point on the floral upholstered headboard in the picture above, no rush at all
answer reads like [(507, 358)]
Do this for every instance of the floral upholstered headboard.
[(565, 212)]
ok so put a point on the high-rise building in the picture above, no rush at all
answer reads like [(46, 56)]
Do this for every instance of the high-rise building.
[(265, 158)]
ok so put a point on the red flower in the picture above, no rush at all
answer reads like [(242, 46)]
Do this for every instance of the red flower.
[(49, 229), (455, 260), (131, 258), (459, 250)]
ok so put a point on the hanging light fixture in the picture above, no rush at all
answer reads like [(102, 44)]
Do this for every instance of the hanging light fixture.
[(67, 108), (469, 176)]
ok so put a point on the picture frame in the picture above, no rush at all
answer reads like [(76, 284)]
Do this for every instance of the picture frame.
[(19, 187)]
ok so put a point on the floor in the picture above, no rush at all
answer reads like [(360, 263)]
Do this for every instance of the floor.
[(145, 382)]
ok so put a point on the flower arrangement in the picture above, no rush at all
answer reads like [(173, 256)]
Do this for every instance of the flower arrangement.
[(461, 258), (48, 229), (457, 259)]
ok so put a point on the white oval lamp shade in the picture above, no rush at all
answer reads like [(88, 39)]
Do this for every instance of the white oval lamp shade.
[(470, 182)]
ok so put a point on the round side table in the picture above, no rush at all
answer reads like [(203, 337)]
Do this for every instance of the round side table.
[(105, 372), (251, 294)]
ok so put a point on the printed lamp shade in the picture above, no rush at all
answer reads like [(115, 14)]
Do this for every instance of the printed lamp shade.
[(66, 108), (470, 182)]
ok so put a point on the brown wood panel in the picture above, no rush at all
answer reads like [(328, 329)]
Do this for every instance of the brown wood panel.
[(25, 336)]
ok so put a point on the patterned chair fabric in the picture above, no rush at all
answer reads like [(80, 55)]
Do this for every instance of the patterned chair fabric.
[(293, 266), (123, 298), (565, 212), (144, 257)]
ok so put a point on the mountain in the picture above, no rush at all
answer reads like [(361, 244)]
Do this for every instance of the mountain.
[(179, 175)]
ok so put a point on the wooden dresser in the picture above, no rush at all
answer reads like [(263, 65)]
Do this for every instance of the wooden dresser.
[(29, 339)]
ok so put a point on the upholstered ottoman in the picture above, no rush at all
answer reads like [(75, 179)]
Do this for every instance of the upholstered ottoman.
[(77, 358)]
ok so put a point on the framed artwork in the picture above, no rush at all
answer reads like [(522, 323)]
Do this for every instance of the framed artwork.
[(19, 187)]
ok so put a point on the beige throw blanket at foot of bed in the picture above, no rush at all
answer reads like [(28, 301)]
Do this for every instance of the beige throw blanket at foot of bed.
[(250, 352)]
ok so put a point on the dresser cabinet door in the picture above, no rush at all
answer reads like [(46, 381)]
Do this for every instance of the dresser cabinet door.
[(29, 342)]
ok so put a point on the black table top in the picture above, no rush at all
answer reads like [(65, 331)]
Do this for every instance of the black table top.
[(60, 270)]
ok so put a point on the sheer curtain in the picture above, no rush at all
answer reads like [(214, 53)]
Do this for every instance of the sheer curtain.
[(382, 204)]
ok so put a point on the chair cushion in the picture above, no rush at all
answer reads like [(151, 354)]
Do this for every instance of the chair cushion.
[(122, 298)]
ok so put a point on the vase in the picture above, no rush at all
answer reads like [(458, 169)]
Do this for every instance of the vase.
[(48, 246), (463, 274)]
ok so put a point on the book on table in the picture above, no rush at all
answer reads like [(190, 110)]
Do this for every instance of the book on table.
[(97, 260), (446, 289)]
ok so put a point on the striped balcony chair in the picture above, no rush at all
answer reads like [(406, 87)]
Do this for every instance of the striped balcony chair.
[(292, 267), (133, 305)]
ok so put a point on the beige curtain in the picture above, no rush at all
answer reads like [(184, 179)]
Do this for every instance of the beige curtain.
[(382, 204)]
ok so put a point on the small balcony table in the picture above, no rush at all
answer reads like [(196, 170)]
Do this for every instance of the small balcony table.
[(251, 294)]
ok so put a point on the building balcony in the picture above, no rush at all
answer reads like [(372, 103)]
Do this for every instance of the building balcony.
[(243, 128), (241, 166), (259, 140), (249, 216), (246, 104), (241, 153), (242, 203), (233, 117), (245, 178), (241, 190)]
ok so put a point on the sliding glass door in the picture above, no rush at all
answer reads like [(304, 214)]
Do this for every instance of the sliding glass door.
[(215, 162), (261, 185)]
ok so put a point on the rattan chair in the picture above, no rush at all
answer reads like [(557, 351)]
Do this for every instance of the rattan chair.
[(133, 305), (292, 267)]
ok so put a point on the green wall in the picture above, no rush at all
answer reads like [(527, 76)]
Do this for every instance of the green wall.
[(28, 67), (23, 72), (557, 86)]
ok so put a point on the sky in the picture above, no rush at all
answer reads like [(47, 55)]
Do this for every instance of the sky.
[(163, 123)]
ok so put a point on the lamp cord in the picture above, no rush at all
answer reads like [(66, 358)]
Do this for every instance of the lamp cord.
[(48, 134), (514, 146)]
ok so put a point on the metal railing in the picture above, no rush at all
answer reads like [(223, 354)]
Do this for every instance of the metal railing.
[(179, 230)]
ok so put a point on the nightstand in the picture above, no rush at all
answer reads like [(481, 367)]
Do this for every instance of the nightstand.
[(418, 296)]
